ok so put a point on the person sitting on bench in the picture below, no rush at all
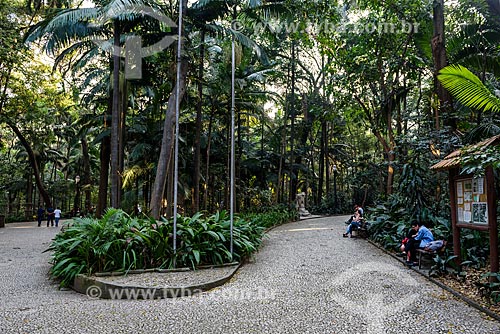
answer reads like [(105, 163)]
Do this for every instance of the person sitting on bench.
[(357, 210), (422, 237), (409, 237), (355, 223)]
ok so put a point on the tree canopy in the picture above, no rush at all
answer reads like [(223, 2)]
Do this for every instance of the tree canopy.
[(340, 100)]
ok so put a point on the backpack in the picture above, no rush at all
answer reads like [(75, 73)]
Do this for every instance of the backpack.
[(434, 245)]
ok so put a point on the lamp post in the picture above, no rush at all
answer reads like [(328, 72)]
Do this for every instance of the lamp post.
[(335, 187), (7, 203), (77, 195)]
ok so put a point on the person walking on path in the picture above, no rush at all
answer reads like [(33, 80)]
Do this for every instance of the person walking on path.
[(50, 216), (57, 215), (39, 215)]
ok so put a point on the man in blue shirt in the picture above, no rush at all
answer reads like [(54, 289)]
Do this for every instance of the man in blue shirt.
[(39, 215), (50, 216), (422, 237)]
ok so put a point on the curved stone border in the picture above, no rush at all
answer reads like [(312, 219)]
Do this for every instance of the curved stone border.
[(443, 286), (95, 288)]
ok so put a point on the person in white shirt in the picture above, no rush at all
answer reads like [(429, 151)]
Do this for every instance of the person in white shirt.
[(57, 215)]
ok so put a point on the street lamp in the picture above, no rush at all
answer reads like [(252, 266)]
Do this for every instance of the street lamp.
[(335, 187), (7, 203), (77, 195)]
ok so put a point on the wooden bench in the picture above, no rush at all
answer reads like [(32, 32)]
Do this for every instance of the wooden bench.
[(422, 253), (362, 231)]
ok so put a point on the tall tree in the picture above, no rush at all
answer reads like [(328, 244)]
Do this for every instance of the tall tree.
[(440, 61), (167, 138)]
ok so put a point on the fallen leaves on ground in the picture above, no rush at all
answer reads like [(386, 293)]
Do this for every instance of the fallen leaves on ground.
[(468, 286)]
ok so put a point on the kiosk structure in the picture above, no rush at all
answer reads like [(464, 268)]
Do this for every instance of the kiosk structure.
[(473, 200)]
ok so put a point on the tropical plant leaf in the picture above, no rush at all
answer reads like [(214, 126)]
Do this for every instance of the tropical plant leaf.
[(466, 87)]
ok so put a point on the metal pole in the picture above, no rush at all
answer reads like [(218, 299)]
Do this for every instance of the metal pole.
[(177, 107), (231, 199)]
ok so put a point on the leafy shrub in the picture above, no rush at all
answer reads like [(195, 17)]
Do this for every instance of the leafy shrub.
[(389, 222), (119, 242), (272, 216), (489, 284), (473, 247)]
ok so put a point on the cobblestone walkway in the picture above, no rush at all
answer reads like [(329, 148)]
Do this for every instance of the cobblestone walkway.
[(305, 279)]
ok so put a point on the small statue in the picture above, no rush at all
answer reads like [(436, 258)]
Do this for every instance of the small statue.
[(300, 204)]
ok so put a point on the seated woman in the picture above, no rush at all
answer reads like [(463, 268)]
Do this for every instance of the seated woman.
[(409, 237), (355, 223), (357, 210), (422, 236)]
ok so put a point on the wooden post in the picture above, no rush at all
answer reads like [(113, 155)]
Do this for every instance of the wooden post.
[(453, 204), (492, 218)]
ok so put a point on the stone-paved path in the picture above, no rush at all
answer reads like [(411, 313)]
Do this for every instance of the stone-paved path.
[(305, 279)]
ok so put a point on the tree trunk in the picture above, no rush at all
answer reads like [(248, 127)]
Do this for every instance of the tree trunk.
[(440, 61), (327, 158), (123, 135), (227, 187), (167, 140), (169, 210), (199, 109), (86, 174), (238, 155), (104, 158), (279, 181), (29, 198), (321, 164), (102, 200), (390, 171), (388, 145), (115, 124), (32, 159), (207, 167), (293, 177)]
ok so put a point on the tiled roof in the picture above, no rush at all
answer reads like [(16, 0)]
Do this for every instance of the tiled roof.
[(453, 159)]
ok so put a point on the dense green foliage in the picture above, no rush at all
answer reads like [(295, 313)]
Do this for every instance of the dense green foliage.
[(119, 242), (390, 222), (339, 100), (271, 216)]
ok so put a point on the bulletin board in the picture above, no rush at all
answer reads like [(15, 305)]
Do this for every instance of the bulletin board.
[(472, 207)]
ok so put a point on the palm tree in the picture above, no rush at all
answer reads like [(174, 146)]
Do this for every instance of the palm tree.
[(167, 142), (71, 29)]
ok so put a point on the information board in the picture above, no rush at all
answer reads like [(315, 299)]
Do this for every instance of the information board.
[(472, 207)]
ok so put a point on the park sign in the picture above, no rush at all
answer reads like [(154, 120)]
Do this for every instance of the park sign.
[(472, 199)]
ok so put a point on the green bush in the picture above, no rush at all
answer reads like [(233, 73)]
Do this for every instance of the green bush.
[(390, 221), (119, 242), (272, 216)]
